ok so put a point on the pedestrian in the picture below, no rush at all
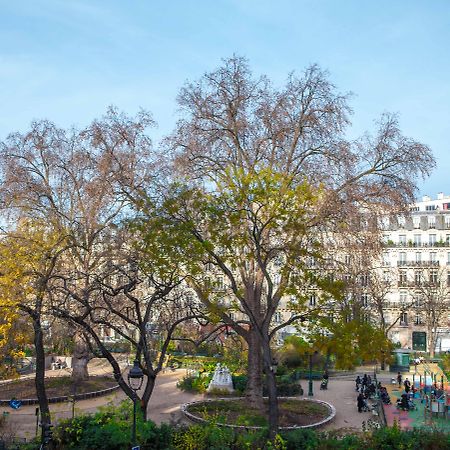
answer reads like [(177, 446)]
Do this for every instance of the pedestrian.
[(364, 380), (360, 401), (358, 382), (407, 385), (399, 379)]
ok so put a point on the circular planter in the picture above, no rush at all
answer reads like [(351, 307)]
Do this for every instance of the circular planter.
[(65, 398), (331, 409)]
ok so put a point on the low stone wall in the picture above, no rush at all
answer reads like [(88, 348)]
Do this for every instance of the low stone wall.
[(65, 398), (196, 419)]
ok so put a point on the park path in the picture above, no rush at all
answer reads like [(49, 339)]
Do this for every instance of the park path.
[(165, 403)]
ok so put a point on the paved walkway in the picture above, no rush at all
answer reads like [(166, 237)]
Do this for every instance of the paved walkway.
[(165, 404)]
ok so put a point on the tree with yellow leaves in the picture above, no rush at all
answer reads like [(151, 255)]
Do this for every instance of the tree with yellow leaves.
[(29, 256)]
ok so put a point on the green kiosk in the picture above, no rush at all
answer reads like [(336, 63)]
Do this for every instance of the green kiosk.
[(402, 359)]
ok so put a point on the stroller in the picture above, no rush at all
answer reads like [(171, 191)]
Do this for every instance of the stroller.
[(324, 384), (405, 403)]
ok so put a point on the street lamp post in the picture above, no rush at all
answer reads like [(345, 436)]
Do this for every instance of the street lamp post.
[(310, 383), (135, 379)]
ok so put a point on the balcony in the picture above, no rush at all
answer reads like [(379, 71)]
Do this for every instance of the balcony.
[(423, 284), (411, 244), (418, 263)]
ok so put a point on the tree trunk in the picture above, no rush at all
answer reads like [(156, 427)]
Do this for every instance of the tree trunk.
[(432, 344), (254, 390), (80, 359), (39, 379), (272, 391), (146, 395)]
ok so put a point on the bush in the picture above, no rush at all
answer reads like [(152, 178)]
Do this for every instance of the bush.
[(199, 437), (110, 429), (298, 439), (194, 383), (239, 383)]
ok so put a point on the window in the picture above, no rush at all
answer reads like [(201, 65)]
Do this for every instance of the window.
[(433, 276), (447, 221), (395, 337), (311, 262), (430, 207), (432, 239), (416, 222), (418, 301), (386, 276), (312, 300), (402, 259), (402, 239), (277, 317), (219, 283), (433, 257), (402, 277), (418, 277), (418, 320), (365, 299), (347, 259), (417, 240), (383, 222), (403, 319), (401, 221), (418, 258), (403, 297), (431, 221), (364, 280)]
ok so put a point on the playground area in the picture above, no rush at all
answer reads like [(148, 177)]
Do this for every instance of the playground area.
[(431, 399)]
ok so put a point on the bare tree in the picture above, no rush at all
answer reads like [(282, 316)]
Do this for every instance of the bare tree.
[(144, 308), (431, 302), (66, 179)]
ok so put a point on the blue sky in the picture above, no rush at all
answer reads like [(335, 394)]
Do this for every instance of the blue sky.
[(67, 60)]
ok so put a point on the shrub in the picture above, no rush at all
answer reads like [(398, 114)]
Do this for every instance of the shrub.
[(240, 383), (299, 439), (200, 437), (110, 429), (194, 383)]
